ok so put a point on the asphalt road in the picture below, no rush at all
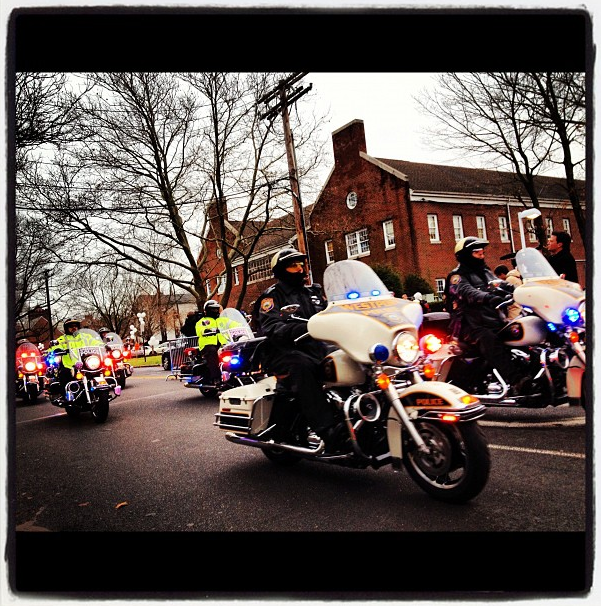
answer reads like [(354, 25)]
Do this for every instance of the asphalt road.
[(159, 468)]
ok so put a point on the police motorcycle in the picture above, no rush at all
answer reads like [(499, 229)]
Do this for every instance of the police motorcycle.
[(119, 356), (30, 371), (547, 343), (391, 415), (93, 384), (234, 372)]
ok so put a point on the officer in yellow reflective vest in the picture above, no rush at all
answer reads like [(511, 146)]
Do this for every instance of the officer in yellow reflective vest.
[(209, 337), (71, 339)]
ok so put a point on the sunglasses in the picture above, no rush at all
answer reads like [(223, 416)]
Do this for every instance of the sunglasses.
[(295, 264)]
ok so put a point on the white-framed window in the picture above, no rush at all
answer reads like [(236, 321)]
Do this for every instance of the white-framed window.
[(458, 227), (503, 229), (531, 229), (220, 284), (237, 275), (481, 227), (389, 241), (329, 246), (357, 243), (549, 226), (433, 228), (259, 269), (208, 286), (566, 226), (440, 282)]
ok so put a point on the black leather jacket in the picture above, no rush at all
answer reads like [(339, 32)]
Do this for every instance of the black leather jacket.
[(277, 326), (467, 295)]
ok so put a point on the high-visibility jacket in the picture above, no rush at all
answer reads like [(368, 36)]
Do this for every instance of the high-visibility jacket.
[(208, 333), (70, 342)]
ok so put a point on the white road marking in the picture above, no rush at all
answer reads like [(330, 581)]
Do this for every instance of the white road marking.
[(555, 453)]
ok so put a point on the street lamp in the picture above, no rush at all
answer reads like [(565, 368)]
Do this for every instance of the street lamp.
[(141, 317), (531, 214)]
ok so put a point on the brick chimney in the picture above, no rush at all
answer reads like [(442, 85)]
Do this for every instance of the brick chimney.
[(348, 141)]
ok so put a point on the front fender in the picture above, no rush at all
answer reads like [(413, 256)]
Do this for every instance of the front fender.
[(574, 376), (431, 400), (436, 394)]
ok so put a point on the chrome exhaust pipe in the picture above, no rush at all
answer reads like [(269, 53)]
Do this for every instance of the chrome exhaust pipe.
[(246, 441)]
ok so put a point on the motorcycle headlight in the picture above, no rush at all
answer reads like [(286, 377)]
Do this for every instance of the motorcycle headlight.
[(93, 362), (30, 366), (406, 348), (582, 311), (116, 354)]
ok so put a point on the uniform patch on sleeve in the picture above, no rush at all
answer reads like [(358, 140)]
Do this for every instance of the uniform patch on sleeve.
[(455, 278), (266, 305)]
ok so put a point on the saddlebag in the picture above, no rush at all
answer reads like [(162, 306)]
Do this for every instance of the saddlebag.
[(246, 409)]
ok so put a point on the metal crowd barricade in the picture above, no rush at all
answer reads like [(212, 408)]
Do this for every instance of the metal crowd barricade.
[(176, 354)]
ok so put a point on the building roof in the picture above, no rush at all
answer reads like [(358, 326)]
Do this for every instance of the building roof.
[(280, 231), (475, 181)]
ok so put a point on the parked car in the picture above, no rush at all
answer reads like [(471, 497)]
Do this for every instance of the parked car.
[(166, 360), (148, 351), (161, 348)]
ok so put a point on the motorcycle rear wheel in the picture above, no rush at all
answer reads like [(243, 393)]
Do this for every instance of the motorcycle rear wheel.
[(100, 407), (458, 466), (208, 392)]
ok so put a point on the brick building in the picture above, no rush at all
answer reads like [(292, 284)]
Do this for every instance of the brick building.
[(409, 215)]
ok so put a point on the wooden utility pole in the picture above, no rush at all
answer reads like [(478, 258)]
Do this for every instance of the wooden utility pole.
[(287, 98), (49, 318)]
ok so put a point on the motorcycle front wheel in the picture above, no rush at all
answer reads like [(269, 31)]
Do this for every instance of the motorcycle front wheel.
[(281, 457), (31, 394), (100, 407), (458, 464)]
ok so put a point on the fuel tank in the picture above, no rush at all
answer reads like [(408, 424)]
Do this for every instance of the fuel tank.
[(525, 330)]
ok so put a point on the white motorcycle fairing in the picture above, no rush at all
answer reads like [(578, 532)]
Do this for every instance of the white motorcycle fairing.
[(386, 414)]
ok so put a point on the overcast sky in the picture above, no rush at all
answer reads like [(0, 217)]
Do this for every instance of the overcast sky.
[(394, 126), (384, 102)]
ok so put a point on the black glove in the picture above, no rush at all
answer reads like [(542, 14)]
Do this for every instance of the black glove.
[(298, 330), (494, 300)]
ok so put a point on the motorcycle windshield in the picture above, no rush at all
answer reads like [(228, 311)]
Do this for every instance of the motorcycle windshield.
[(532, 264), (27, 351), (235, 328), (113, 340), (349, 280), (91, 343)]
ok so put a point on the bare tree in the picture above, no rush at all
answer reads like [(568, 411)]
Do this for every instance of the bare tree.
[(46, 112), (560, 111), (163, 154), (504, 117), (245, 163), (106, 295), (46, 116)]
